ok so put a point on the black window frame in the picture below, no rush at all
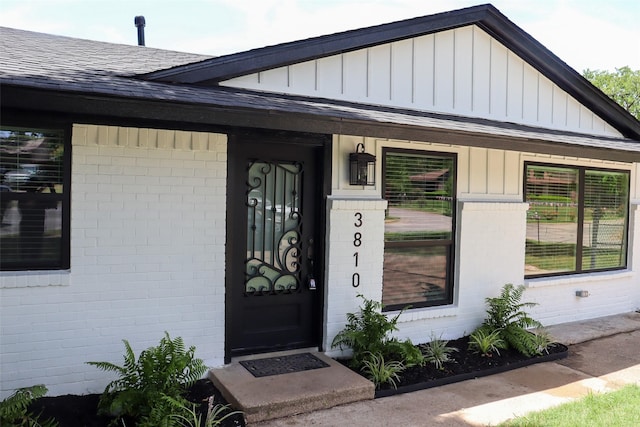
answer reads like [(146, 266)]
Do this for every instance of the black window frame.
[(37, 122), (582, 170), (449, 244)]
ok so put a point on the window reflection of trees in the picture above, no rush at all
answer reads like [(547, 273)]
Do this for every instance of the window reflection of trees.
[(31, 181), (419, 224), (577, 219)]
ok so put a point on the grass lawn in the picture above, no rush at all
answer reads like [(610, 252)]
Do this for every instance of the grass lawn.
[(552, 257), (619, 408)]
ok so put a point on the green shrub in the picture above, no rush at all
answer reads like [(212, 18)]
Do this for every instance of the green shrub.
[(365, 332), (486, 342), (380, 371), (542, 340), (437, 352), (507, 315), (368, 332), (188, 416), (404, 351), (166, 370), (14, 409)]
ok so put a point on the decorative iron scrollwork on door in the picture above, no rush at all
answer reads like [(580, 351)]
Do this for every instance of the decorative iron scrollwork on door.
[(274, 220)]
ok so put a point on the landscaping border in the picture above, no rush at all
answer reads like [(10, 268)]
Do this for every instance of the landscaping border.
[(475, 374)]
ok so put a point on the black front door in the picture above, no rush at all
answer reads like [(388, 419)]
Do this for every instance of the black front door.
[(273, 267)]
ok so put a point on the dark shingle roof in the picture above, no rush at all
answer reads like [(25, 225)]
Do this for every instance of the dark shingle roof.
[(26, 52), (74, 76)]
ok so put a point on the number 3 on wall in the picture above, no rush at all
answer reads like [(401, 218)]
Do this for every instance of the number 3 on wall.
[(358, 222)]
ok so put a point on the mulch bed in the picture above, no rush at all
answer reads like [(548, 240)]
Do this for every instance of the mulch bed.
[(465, 365), (81, 411)]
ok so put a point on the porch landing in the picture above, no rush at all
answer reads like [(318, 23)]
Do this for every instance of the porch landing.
[(277, 396)]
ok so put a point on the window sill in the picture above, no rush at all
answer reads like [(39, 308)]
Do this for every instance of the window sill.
[(426, 313), (578, 278), (34, 279)]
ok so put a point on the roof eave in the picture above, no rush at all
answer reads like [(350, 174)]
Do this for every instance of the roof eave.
[(187, 116)]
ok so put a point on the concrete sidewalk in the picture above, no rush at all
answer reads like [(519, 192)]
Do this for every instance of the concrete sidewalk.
[(604, 355)]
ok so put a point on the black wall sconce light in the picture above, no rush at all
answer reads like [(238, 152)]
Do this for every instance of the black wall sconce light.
[(362, 167)]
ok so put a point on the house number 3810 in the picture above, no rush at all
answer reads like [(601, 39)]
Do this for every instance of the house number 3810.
[(357, 241)]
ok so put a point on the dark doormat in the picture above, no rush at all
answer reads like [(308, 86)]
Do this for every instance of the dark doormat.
[(283, 364)]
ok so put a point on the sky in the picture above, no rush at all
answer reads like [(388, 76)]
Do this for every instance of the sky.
[(593, 34)]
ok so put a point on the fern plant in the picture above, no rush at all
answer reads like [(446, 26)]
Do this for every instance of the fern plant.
[(486, 342), (404, 351), (380, 371), (507, 315), (166, 370), (438, 352), (368, 332), (14, 410)]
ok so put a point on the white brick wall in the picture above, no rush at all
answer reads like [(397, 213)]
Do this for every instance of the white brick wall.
[(147, 256), (341, 295), (490, 253)]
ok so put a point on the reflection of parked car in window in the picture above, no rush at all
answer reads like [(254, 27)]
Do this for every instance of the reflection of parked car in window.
[(4, 201), (289, 215), (17, 179)]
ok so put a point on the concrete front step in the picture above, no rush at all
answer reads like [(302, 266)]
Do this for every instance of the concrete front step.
[(277, 396)]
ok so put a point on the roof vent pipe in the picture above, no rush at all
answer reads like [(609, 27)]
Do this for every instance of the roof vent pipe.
[(140, 23)]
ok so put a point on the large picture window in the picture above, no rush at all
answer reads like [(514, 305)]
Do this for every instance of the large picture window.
[(577, 219), (33, 199), (420, 188)]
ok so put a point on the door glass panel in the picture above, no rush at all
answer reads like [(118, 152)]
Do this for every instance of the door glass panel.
[(273, 228)]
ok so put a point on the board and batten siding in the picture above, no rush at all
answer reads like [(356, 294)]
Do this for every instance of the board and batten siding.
[(463, 71), (147, 256), (483, 173)]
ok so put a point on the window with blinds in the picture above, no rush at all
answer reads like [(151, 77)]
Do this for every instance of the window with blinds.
[(419, 228), (577, 219), (32, 199)]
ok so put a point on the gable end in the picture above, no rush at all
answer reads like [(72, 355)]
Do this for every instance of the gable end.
[(211, 72), (215, 70)]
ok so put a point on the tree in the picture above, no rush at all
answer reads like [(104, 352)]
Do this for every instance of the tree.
[(622, 85)]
